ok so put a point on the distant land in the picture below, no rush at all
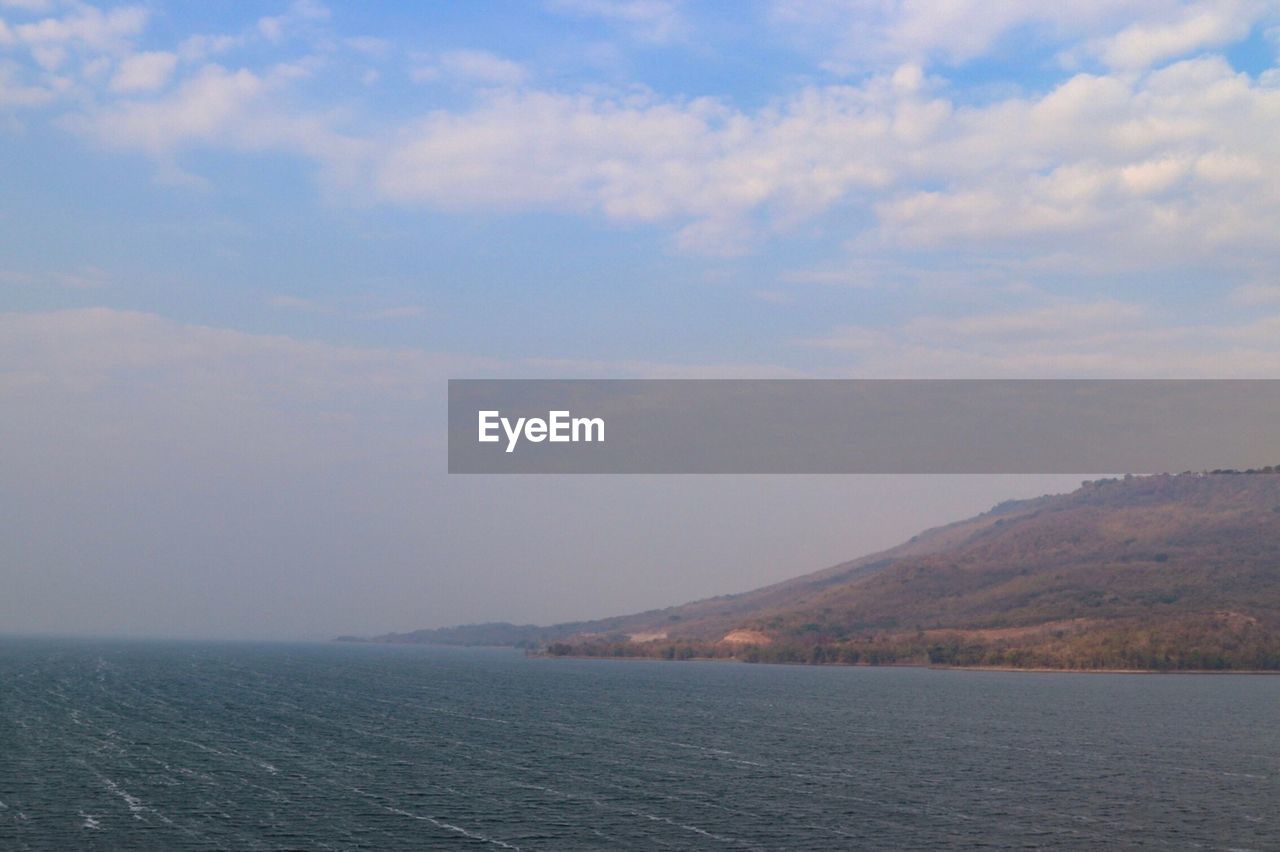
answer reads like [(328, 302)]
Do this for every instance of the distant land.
[(1167, 572)]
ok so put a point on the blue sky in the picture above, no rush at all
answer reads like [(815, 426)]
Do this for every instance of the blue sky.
[(258, 237), (766, 185)]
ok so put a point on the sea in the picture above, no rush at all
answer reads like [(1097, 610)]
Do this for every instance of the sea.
[(186, 745)]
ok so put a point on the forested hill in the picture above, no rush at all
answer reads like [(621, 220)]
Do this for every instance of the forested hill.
[(1158, 572)]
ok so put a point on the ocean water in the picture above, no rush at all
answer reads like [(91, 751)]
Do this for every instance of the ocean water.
[(119, 745)]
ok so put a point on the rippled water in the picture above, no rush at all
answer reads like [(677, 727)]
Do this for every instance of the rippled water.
[(181, 745)]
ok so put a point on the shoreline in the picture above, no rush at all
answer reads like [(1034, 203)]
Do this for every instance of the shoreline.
[(1044, 670), (931, 666)]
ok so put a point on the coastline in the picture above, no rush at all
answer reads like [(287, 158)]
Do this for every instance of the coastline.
[(1011, 669), (1045, 670)]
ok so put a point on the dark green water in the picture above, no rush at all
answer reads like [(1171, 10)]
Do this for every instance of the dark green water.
[(115, 745)]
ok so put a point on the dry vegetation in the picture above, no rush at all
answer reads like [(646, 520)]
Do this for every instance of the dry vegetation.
[(1164, 572)]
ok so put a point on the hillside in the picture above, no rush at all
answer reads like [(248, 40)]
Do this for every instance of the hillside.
[(1160, 572)]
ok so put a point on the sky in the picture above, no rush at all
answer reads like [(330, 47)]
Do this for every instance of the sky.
[(243, 246)]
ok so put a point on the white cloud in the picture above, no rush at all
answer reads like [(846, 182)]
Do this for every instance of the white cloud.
[(87, 26), (717, 236), (474, 66), (371, 46), (483, 67), (1177, 160), (1056, 320), (856, 272), (1128, 34), (1176, 164), (300, 14), (642, 158), (16, 93), (640, 369), (648, 20), (29, 6), (144, 72), (1086, 340), (49, 56), (858, 35), (218, 107), (1191, 28), (271, 28), (198, 48), (82, 278), (212, 105), (634, 160)]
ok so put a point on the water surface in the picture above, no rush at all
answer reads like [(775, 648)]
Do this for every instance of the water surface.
[(108, 745)]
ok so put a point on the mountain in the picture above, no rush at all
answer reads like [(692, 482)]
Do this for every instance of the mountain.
[(1156, 572)]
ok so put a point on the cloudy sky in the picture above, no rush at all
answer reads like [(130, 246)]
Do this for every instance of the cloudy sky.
[(242, 247)]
